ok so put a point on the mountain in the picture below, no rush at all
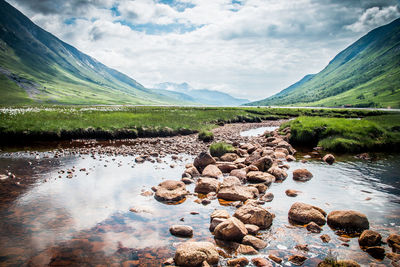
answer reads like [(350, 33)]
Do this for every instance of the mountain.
[(365, 74), (185, 92), (36, 66)]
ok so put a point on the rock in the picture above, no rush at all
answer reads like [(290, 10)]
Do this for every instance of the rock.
[(260, 187), (230, 181), (325, 238), (139, 160), (238, 262), (239, 173), (246, 250), (348, 220), (344, 239), (251, 168), (202, 160), (260, 177), (329, 158), (290, 158), (376, 252), (206, 185), (369, 238), (275, 258), (346, 263), (181, 230), (282, 150), (187, 180), (278, 173), (230, 230), (303, 247), (254, 242), (231, 157), (268, 197), (393, 256), (226, 167), (170, 191), (215, 222), (195, 253), (212, 171), (263, 163), (302, 213), (297, 259), (313, 228), (292, 193), (192, 171), (252, 229), (254, 214), (302, 175), (279, 155), (394, 242), (237, 192), (169, 261), (261, 262), (219, 214)]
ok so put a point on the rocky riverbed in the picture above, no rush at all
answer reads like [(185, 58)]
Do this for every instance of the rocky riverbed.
[(155, 201)]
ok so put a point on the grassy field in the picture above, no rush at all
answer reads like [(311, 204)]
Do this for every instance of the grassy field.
[(375, 133)]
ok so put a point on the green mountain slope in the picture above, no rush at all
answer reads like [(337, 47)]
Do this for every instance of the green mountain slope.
[(366, 74), (35, 66)]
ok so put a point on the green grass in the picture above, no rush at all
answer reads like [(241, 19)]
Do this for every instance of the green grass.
[(220, 148), (206, 136), (347, 135)]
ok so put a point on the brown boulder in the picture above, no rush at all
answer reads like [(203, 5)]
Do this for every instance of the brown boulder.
[(202, 160), (325, 238), (226, 167), (190, 254), (206, 185), (230, 181), (192, 171), (220, 214), (215, 222), (255, 242), (278, 173), (369, 238), (252, 229), (231, 230), (260, 177), (212, 171), (301, 213), (181, 230), (239, 173), (263, 163), (238, 262), (394, 242), (348, 220), (230, 157), (302, 175), (268, 197), (329, 158), (297, 259), (237, 192), (170, 191), (246, 250), (313, 228), (275, 258), (376, 252), (261, 262), (346, 263), (254, 214), (290, 158), (292, 193)]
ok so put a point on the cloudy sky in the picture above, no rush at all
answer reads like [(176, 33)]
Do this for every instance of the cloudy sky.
[(249, 48)]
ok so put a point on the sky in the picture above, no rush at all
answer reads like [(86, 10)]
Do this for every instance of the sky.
[(247, 48)]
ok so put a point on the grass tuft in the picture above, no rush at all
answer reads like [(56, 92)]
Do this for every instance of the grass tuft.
[(219, 149), (206, 136)]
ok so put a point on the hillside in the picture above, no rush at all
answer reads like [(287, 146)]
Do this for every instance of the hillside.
[(366, 74), (36, 66), (185, 92)]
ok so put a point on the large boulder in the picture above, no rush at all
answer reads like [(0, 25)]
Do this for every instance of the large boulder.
[(302, 175), (206, 185), (202, 160), (212, 171), (263, 163), (260, 177), (348, 220), (192, 171), (231, 157), (195, 253), (253, 241), (301, 213), (231, 230), (170, 191), (239, 173), (181, 230), (230, 181), (237, 192), (279, 173), (254, 214), (369, 238), (329, 158)]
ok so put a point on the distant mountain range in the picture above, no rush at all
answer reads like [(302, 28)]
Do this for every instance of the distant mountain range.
[(184, 92), (366, 74)]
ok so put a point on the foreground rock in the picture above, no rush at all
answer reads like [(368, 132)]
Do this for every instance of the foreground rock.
[(230, 230), (170, 191), (347, 263), (329, 158), (302, 213), (202, 160), (348, 220), (238, 262), (279, 174), (260, 177), (237, 192), (302, 175), (206, 185), (212, 171), (195, 253), (369, 238), (181, 230), (254, 214), (261, 262), (255, 242)]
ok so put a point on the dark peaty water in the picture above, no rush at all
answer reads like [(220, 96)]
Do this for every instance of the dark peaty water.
[(86, 220)]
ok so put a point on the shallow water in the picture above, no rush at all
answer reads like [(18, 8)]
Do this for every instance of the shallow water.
[(86, 220), (258, 131)]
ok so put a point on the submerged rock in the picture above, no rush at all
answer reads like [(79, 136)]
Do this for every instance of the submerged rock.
[(238, 262), (190, 254), (329, 158), (347, 263), (237, 192), (292, 193), (394, 242), (254, 214), (279, 173), (314, 228), (348, 220), (231, 230), (302, 213), (255, 242), (170, 191), (297, 259), (261, 262), (181, 230), (302, 175)]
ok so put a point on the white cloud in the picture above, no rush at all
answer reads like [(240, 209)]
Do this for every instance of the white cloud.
[(251, 50)]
